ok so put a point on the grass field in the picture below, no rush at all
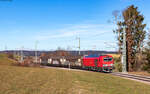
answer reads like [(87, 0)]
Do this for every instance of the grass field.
[(25, 80)]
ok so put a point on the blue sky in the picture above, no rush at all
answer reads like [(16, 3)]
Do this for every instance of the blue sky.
[(58, 23)]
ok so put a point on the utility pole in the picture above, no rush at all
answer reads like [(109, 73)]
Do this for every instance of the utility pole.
[(79, 44), (21, 59), (124, 63), (5, 48), (14, 53), (36, 57)]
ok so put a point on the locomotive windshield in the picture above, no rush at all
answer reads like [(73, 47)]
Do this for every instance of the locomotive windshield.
[(92, 55), (107, 59)]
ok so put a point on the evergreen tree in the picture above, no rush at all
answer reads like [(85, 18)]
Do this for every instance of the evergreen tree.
[(135, 33)]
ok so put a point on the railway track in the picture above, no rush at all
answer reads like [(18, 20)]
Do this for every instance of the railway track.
[(132, 76)]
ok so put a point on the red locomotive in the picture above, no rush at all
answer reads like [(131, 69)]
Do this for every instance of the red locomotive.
[(99, 63)]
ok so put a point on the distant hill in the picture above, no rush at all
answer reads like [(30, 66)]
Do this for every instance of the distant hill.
[(32, 53)]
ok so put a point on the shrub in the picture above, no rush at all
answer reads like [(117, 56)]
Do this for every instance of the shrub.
[(117, 65)]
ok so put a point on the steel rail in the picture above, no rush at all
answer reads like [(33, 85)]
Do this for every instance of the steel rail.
[(136, 77)]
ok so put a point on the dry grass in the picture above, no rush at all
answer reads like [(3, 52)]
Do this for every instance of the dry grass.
[(21, 80), (26, 80), (115, 55), (4, 60)]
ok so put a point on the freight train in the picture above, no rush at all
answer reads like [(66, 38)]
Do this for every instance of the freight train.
[(102, 63)]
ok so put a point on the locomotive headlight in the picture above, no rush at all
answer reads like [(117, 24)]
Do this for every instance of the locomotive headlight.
[(111, 64), (105, 65)]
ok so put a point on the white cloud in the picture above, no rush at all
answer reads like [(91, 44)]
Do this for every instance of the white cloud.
[(90, 34), (75, 30)]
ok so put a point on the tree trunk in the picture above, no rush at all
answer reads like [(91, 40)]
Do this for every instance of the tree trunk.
[(130, 60)]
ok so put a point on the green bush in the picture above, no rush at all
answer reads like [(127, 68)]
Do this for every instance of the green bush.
[(117, 65), (146, 67)]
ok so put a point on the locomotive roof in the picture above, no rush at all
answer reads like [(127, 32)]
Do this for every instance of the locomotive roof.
[(94, 55)]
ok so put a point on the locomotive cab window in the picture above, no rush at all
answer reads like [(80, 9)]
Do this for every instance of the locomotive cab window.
[(107, 59)]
